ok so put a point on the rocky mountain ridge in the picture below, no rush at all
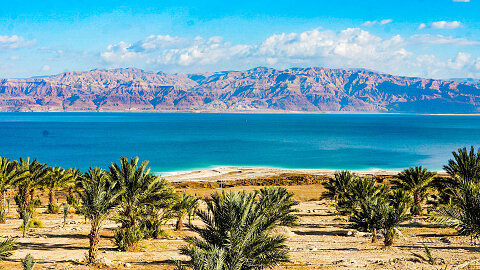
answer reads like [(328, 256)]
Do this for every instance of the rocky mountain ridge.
[(256, 90)]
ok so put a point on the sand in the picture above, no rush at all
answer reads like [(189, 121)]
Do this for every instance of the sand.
[(236, 173)]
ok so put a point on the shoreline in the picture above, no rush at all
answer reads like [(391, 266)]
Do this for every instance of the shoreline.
[(229, 173)]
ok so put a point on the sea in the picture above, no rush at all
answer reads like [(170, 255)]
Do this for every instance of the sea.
[(190, 141)]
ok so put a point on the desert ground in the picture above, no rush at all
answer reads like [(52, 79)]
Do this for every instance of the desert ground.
[(321, 240)]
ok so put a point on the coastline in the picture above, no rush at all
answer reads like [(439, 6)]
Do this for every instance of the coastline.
[(229, 173)]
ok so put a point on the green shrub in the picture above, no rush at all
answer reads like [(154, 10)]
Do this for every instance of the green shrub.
[(37, 202), (36, 223), (3, 215), (53, 208), (128, 238), (28, 262)]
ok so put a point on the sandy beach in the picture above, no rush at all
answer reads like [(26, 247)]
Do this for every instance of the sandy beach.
[(230, 173)]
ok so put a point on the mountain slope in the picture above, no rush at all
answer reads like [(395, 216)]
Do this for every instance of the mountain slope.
[(258, 90)]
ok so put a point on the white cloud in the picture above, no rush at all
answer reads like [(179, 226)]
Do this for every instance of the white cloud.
[(349, 48), (460, 61), (14, 42), (446, 25), (464, 1), (46, 68), (369, 23), (386, 21), (441, 40), (372, 23), (422, 25)]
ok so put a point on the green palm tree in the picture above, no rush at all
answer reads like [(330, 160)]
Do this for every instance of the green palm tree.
[(340, 185), (240, 226), (9, 172), (6, 247), (393, 216), (417, 181), (73, 185), (99, 198), (368, 216), (185, 205), (464, 211), (465, 164), (140, 189), (57, 178), (33, 173), (214, 259), (360, 191)]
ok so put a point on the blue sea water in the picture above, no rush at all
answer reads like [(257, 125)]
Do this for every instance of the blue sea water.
[(184, 141)]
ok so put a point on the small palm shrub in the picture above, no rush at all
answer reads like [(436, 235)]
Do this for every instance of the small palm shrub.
[(381, 213), (127, 238), (360, 191), (26, 217), (66, 209), (6, 247), (3, 214), (28, 262), (339, 186), (53, 208), (153, 219), (140, 190), (214, 259), (238, 230), (185, 205), (417, 181)]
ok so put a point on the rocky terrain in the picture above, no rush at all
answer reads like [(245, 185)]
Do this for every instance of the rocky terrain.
[(255, 90)]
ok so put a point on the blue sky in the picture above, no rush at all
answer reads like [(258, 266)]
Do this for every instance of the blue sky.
[(437, 39)]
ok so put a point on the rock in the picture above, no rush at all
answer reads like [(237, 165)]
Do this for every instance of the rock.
[(314, 249), (446, 240), (127, 265), (104, 261)]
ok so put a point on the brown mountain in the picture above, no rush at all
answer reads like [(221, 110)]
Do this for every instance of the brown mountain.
[(255, 90)]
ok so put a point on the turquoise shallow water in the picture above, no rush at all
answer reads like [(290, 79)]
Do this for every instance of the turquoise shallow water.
[(183, 141)]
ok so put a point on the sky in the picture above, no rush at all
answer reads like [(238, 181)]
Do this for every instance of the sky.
[(422, 38)]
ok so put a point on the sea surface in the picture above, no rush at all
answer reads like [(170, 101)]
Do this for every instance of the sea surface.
[(187, 141)]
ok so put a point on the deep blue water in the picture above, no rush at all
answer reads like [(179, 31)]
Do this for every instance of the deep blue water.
[(182, 141)]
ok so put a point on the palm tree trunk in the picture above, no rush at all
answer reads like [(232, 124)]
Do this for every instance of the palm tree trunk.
[(51, 196), (388, 238), (418, 204), (32, 194), (179, 225), (2, 197), (94, 238), (374, 235)]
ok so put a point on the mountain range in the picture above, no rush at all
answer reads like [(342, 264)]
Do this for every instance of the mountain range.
[(260, 89)]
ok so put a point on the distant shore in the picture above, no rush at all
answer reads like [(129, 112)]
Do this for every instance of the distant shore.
[(229, 173)]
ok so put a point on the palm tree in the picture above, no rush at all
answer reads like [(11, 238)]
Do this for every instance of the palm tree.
[(340, 185), (238, 226), (417, 181), (214, 259), (57, 177), (8, 174), (73, 185), (393, 216), (99, 197), (185, 205), (368, 216), (360, 191), (140, 189), (465, 164), (6, 247), (33, 173), (464, 212)]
